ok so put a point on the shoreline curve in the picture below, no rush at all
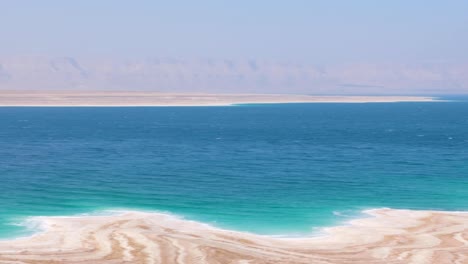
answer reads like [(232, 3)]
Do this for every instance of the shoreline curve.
[(384, 236)]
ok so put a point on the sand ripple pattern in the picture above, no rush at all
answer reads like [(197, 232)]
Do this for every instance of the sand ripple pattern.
[(387, 236)]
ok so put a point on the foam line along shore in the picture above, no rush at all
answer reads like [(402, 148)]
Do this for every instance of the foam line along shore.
[(384, 236)]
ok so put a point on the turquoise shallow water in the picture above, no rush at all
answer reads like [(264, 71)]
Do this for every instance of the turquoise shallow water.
[(270, 169)]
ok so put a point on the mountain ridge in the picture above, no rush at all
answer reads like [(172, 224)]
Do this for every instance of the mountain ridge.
[(228, 76)]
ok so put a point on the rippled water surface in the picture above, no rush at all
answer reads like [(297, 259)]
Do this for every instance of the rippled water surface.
[(274, 169)]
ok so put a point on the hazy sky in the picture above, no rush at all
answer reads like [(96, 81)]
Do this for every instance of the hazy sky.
[(326, 31)]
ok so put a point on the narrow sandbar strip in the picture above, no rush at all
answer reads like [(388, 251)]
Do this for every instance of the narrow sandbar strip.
[(135, 98)]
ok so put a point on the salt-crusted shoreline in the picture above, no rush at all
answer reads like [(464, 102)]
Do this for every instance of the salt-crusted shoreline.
[(386, 236)]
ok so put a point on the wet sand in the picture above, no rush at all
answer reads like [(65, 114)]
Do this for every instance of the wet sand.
[(122, 98), (386, 236)]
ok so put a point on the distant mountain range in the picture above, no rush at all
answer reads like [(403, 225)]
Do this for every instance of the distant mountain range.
[(230, 76)]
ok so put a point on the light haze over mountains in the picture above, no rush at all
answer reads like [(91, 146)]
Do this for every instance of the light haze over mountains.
[(229, 76), (262, 46)]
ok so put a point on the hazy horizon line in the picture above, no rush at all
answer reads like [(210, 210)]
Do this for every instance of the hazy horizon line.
[(167, 74)]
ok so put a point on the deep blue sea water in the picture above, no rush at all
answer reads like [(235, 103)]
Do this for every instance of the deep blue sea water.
[(270, 169)]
